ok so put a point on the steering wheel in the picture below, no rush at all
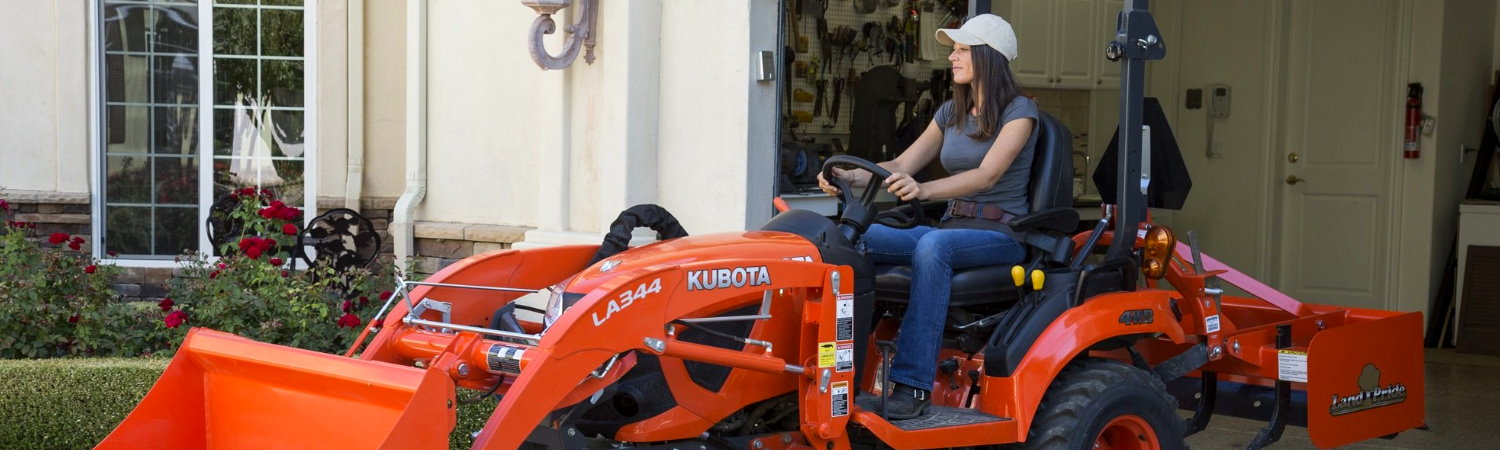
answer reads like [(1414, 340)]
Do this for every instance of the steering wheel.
[(858, 215)]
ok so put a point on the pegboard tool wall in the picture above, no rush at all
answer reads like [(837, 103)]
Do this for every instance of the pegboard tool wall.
[(842, 13)]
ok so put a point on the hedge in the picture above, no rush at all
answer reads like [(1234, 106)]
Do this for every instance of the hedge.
[(73, 403)]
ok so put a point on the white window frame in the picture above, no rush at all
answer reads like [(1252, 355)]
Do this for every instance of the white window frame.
[(205, 154)]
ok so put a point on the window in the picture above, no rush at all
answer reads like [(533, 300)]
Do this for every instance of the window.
[(179, 77)]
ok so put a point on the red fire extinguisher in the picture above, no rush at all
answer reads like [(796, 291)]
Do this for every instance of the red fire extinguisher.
[(1413, 145)]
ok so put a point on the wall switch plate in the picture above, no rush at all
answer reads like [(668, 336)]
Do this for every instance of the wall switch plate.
[(766, 65)]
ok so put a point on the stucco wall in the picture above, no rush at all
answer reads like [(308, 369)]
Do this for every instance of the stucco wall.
[(44, 96), (661, 117)]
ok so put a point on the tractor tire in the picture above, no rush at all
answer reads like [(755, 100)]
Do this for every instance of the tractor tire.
[(1099, 403)]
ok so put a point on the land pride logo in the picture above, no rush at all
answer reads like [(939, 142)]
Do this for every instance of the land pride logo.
[(698, 280), (1371, 394)]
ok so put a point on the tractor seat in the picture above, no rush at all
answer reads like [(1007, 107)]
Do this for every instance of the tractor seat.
[(1051, 188)]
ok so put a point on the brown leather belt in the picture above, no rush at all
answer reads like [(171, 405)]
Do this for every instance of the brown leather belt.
[(975, 210)]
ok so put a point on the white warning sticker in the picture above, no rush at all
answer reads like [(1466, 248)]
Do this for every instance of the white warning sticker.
[(1211, 323), (844, 357), (1291, 365), (839, 403), (844, 313)]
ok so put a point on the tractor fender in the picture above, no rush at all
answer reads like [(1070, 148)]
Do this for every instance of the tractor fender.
[(1070, 334)]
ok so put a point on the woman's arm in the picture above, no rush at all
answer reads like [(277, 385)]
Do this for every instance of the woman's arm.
[(917, 156), (1002, 153)]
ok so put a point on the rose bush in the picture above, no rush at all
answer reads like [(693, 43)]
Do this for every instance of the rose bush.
[(255, 290), (56, 301)]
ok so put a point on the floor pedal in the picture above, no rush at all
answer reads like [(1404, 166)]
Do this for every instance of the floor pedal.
[(935, 417)]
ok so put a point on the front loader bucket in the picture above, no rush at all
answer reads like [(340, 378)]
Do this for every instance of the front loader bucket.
[(225, 391)]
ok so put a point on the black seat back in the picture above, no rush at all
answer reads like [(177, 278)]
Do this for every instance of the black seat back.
[(1052, 165)]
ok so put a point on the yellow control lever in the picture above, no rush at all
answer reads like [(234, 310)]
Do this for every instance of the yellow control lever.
[(1037, 279), (1018, 275)]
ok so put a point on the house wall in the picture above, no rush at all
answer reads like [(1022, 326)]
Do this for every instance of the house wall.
[(681, 125), (44, 90)]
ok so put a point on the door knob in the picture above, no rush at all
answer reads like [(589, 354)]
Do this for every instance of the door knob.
[(1292, 179), (1293, 157)]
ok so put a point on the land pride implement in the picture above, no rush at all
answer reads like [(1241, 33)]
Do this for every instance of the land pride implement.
[(779, 338)]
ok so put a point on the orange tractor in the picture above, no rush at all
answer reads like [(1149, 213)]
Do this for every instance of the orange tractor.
[(774, 338)]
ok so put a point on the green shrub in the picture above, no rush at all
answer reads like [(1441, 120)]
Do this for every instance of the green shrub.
[(69, 403), (56, 301)]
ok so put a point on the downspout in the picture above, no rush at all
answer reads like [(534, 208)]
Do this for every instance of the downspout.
[(354, 180), (402, 227)]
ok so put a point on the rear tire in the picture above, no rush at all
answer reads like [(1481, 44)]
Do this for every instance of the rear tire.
[(1106, 402)]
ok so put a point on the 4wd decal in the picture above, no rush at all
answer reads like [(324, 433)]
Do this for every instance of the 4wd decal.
[(627, 298), (1137, 317), (698, 280), (1371, 394)]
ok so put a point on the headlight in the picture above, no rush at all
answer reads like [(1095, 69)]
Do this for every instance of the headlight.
[(554, 305)]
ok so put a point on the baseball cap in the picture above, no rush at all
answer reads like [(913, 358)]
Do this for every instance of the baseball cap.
[(983, 29)]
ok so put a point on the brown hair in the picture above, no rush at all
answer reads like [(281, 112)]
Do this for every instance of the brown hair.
[(993, 78)]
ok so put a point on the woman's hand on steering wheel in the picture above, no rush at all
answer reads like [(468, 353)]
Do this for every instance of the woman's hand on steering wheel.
[(859, 212), (903, 186)]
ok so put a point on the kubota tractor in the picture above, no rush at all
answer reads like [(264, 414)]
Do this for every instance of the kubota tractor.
[(775, 338)]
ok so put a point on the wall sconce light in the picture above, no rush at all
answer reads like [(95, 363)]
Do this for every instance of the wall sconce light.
[(579, 33)]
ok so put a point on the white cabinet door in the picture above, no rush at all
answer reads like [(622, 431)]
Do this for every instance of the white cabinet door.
[(1077, 44), (1109, 71), (1032, 20)]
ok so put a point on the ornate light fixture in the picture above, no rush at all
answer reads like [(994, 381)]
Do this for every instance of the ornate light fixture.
[(581, 32)]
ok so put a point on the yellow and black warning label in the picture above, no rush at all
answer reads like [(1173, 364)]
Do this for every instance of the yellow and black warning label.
[(839, 405), (827, 354)]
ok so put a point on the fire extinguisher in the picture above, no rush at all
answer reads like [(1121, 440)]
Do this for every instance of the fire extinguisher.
[(1413, 145)]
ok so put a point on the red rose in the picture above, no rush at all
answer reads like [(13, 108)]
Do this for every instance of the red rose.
[(73, 318), (75, 245), (77, 239), (290, 214), (363, 300), (90, 269), (58, 238), (264, 244), (348, 306), (285, 274), (166, 304), (4, 205), (252, 253), (214, 274), (223, 266), (112, 253), (267, 193), (275, 261), (277, 204), (289, 229), (175, 319), (247, 191), (385, 295), (349, 320), (267, 213)]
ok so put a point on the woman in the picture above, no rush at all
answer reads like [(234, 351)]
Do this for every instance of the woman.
[(984, 137)]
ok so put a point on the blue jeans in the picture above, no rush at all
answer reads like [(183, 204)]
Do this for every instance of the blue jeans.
[(933, 254)]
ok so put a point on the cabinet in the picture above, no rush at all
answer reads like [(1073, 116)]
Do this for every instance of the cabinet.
[(1061, 42)]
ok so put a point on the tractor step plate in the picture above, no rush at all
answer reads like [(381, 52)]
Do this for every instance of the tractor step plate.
[(936, 416)]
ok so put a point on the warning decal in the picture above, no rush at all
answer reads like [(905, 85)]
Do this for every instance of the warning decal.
[(844, 357), (1211, 323), (840, 399), (1291, 365), (844, 312), (826, 354)]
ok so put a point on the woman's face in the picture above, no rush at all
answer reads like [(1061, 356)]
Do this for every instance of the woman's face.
[(963, 67)]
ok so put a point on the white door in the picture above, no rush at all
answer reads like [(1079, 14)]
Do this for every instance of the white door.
[(1032, 21), (1077, 44), (1343, 109)]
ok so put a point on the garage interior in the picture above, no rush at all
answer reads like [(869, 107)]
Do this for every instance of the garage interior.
[(1291, 118)]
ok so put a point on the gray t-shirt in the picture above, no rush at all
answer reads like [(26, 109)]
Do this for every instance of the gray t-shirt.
[(962, 153)]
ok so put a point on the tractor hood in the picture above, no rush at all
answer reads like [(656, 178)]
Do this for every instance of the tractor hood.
[(691, 249)]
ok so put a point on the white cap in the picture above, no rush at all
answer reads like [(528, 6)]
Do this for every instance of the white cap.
[(983, 29)]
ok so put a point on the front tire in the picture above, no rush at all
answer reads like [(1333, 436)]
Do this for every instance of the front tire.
[(1106, 404)]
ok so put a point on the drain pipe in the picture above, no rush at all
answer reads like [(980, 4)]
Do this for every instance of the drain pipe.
[(403, 227), (354, 175)]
